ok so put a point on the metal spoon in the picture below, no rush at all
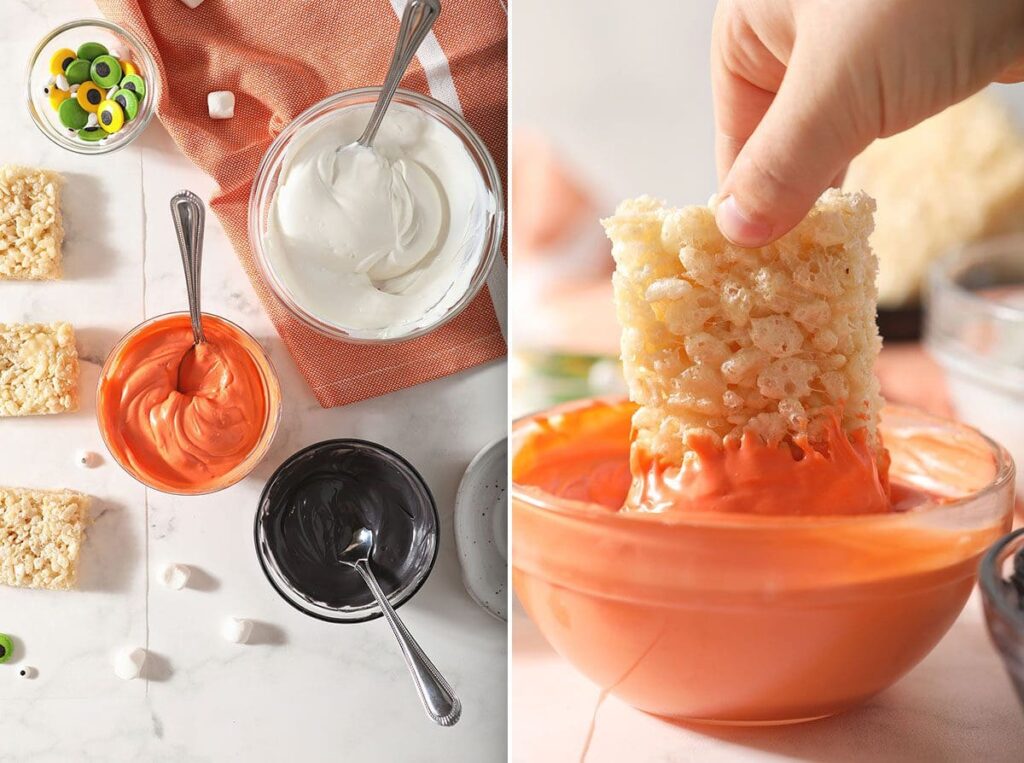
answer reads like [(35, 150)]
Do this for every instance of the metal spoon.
[(417, 19), (189, 216), (436, 694)]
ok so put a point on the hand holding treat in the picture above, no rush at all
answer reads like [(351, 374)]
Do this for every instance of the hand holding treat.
[(802, 88)]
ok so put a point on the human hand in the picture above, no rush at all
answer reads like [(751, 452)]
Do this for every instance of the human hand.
[(803, 86)]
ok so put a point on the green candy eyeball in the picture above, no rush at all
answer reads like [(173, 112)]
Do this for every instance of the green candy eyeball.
[(136, 84), (77, 71), (92, 134), (105, 71), (127, 100), (91, 50), (72, 115), (6, 648)]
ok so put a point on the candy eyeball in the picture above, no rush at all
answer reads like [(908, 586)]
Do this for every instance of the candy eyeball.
[(237, 630), (128, 101), (128, 663), (136, 84), (72, 115), (111, 116), (105, 71), (77, 72), (87, 458), (28, 672), (91, 133), (61, 59), (92, 50), (90, 96), (175, 576), (6, 648)]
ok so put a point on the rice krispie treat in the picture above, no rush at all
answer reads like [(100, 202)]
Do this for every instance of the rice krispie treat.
[(722, 343), (953, 179), (41, 535), (38, 369), (31, 231)]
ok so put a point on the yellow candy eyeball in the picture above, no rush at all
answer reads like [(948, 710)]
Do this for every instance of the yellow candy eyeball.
[(127, 68), (56, 97), (90, 96), (111, 116), (59, 61)]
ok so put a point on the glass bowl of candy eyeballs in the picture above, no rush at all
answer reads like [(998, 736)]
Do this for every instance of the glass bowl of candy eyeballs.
[(92, 86)]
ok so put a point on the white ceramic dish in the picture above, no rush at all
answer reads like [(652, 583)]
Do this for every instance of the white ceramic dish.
[(481, 528)]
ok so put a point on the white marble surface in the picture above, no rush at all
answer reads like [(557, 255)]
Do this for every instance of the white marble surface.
[(305, 690)]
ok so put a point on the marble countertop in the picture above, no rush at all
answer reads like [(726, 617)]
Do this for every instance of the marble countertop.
[(305, 690), (957, 705)]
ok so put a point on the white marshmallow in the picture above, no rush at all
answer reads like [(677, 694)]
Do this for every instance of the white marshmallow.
[(62, 82), (192, 3), (175, 576), (86, 458), (237, 631), (221, 104), (74, 90), (128, 663)]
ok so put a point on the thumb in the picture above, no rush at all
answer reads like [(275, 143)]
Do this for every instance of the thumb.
[(802, 144)]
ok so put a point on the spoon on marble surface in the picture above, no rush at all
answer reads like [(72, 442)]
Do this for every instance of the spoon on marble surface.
[(436, 694), (189, 215)]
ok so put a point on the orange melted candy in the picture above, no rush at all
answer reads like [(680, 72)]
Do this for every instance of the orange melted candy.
[(195, 438), (706, 613)]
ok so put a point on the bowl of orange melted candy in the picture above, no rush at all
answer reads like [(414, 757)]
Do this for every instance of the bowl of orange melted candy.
[(743, 618), (188, 425)]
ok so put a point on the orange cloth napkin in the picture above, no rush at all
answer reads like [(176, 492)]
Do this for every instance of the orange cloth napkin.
[(281, 56)]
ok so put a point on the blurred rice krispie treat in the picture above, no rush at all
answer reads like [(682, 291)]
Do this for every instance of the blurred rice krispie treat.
[(955, 178)]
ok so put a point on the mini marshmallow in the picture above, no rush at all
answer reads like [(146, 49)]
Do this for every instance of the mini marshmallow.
[(86, 458), (236, 630), (128, 663), (221, 104), (74, 90), (192, 3), (175, 576), (62, 82)]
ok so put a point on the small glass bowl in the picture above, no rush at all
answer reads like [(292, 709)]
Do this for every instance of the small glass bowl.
[(721, 618), (273, 416), (974, 327), (71, 35), (423, 544), (265, 185), (1003, 613)]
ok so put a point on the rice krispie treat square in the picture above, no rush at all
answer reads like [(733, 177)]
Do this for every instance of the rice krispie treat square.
[(41, 534), (31, 230), (38, 369)]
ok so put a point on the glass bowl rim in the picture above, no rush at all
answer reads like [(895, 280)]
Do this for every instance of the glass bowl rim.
[(990, 575), (272, 157), (582, 511), (153, 88), (270, 429), (942, 275), (373, 611)]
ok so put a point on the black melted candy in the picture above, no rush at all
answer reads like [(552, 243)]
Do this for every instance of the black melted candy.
[(320, 496)]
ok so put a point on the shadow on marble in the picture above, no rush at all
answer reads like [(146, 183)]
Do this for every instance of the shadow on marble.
[(89, 229), (94, 343), (157, 668), (201, 580), (18, 649), (267, 634), (110, 554)]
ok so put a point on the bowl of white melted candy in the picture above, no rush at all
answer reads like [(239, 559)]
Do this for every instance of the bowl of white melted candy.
[(376, 244)]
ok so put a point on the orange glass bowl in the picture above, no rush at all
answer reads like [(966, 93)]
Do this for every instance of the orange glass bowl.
[(214, 326), (745, 619)]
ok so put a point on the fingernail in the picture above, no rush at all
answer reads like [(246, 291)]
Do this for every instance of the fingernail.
[(737, 226)]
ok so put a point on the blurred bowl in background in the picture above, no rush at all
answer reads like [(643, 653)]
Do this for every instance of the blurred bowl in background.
[(1002, 597)]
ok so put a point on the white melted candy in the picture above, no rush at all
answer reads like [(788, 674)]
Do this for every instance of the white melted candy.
[(377, 240)]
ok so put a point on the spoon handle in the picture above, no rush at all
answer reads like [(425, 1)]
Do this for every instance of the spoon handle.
[(435, 692), (189, 215), (417, 19)]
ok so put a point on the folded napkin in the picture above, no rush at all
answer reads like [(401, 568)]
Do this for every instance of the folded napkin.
[(279, 58)]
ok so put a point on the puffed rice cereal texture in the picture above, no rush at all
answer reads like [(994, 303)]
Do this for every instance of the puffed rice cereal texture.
[(31, 230)]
